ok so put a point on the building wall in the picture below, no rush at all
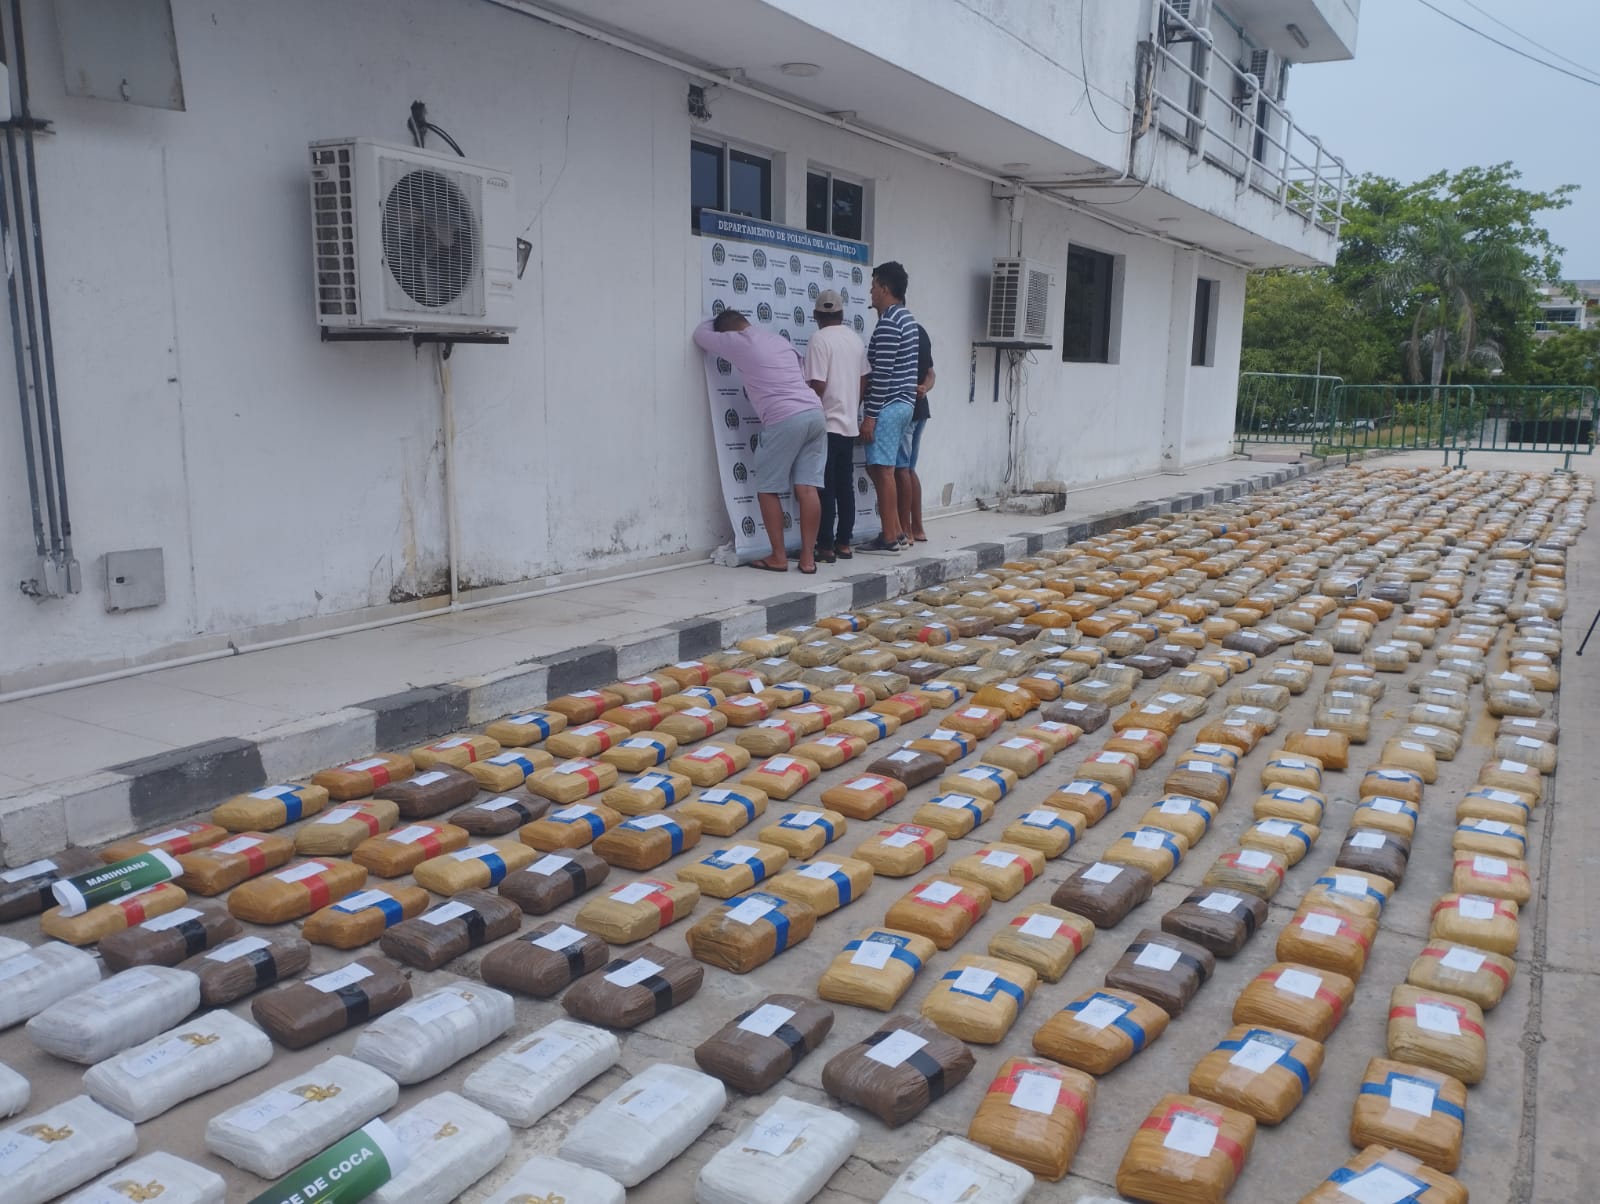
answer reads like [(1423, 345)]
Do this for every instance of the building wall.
[(291, 482)]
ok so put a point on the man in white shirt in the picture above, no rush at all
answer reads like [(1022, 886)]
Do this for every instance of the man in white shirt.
[(836, 366)]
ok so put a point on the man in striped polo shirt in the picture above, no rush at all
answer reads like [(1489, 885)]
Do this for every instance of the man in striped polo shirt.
[(892, 354)]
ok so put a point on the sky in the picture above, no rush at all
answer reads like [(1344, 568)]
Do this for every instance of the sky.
[(1423, 94)]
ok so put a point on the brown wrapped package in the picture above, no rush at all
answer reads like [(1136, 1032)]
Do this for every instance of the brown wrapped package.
[(501, 815), (369, 775), (636, 910), (762, 1044), (1413, 1109), (1034, 1114), (570, 826), (270, 807), (432, 792), (1003, 870), (175, 840), (544, 960), (805, 833), (643, 842), (1200, 778), (1253, 871), (1166, 970), (864, 796), (902, 850), (734, 869), (222, 866), (1295, 998), (472, 918), (361, 917), (908, 766), (168, 939), (1085, 716), (457, 751), (896, 1076), (1325, 938), (1460, 970), (526, 728), (875, 969), (1375, 851), (723, 810), (825, 885), (401, 850), (941, 909), (508, 770), (1442, 1032), (296, 891), (553, 879), (1103, 893), (749, 930), (1262, 1072), (302, 1013), (337, 831), (1378, 1169), (1187, 1151), (1100, 1030), (25, 890), (979, 998), (236, 968), (572, 780), (634, 987)]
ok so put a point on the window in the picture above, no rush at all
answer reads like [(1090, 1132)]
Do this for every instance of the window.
[(1204, 351), (1089, 280), (726, 178), (834, 206)]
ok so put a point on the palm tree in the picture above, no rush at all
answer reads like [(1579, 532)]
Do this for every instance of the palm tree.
[(1448, 272)]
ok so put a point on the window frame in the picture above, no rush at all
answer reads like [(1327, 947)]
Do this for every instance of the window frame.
[(1203, 333), (1104, 336), (727, 148), (833, 177)]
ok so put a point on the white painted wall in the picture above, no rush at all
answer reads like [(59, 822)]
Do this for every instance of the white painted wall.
[(290, 481)]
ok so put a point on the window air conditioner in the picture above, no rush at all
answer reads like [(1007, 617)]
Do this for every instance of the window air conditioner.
[(408, 241), (1019, 302), (1196, 12), (1267, 67)]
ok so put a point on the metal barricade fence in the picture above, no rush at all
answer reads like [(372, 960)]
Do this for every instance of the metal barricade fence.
[(1282, 407), (1560, 419)]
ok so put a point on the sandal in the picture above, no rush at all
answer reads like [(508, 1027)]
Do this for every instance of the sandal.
[(843, 552), (823, 555), (808, 571), (766, 566)]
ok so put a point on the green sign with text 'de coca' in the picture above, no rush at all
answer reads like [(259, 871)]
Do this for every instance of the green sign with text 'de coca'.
[(345, 1172)]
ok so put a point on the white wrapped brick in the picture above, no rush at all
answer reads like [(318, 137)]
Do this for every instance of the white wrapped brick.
[(14, 1092), (12, 948), (954, 1169), (53, 1151), (785, 1156), (645, 1123), (183, 1062), (421, 1038), (301, 1116), (542, 1070), (123, 1010), (155, 1176), (544, 1178), (32, 981), (453, 1144)]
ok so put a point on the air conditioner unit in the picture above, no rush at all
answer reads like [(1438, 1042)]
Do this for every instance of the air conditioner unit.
[(1196, 12), (1019, 302), (412, 242), (1267, 67)]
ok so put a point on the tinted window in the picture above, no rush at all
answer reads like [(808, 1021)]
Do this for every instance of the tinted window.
[(1086, 338), (749, 185), (705, 180)]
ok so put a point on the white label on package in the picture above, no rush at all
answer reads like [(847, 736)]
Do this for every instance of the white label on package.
[(254, 1117), (1411, 1096), (1044, 927), (955, 802), (634, 892), (749, 911), (163, 837), (473, 852), (874, 955), (574, 765), (1379, 1185), (1144, 839), (1256, 1056), (341, 978), (905, 754), (1191, 1134), (545, 1051), (1490, 867), (1475, 907), (1042, 817), (1101, 872), (633, 973), (896, 1047), (14, 967), (1101, 1013), (1349, 884), (801, 819), (1157, 957), (564, 937), (32, 870), (939, 893), (945, 1182), (171, 920), (1436, 1018), (1322, 925), (900, 840), (338, 815), (427, 779), (999, 858), (426, 1011), (497, 804), (779, 764), (652, 1103), (1298, 982), (226, 953), (643, 823), (360, 902), (1253, 859), (819, 869), (766, 1020), (1220, 902), (1468, 961), (1389, 806), (1275, 827), (298, 873), (1366, 840), (549, 865), (1036, 1093), (449, 911), (412, 834), (972, 981), (774, 1134)]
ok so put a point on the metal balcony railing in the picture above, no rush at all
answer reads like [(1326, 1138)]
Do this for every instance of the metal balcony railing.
[(1227, 116)]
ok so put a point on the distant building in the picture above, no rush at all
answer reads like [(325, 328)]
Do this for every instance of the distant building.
[(1571, 306)]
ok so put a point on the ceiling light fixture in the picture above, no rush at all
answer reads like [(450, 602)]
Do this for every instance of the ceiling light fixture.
[(800, 70), (1298, 36), (1015, 169)]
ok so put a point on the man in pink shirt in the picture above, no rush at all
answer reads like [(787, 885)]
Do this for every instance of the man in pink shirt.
[(793, 448)]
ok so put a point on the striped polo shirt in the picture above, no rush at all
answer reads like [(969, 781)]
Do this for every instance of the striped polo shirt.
[(893, 356)]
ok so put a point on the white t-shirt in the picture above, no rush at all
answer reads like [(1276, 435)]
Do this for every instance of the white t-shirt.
[(836, 356)]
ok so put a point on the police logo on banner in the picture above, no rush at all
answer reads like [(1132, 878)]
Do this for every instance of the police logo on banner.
[(717, 307), (718, 255), (740, 472), (755, 441), (858, 324), (855, 275), (747, 525), (724, 368), (779, 288), (827, 270), (764, 312), (786, 336), (794, 265), (812, 290), (730, 419), (799, 316), (741, 283), (758, 258)]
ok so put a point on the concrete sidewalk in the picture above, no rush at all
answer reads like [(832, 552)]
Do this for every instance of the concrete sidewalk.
[(99, 761)]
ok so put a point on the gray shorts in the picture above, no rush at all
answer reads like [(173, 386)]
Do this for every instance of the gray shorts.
[(794, 451)]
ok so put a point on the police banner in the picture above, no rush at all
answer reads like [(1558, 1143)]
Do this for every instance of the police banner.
[(773, 274)]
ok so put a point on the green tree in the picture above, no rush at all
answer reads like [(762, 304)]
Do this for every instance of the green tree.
[(1571, 357), (1300, 321)]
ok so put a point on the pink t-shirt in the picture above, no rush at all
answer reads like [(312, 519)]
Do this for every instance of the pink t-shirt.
[(837, 357), (769, 366)]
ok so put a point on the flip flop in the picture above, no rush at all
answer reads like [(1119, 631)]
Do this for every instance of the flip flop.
[(808, 571), (767, 568)]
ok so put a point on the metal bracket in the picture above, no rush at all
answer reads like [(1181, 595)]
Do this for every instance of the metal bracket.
[(417, 340)]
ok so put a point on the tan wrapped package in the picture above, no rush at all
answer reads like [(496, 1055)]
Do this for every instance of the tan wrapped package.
[(235, 969), (1045, 938), (1488, 802), (693, 723), (1011, 699), (584, 706), (296, 891), (825, 885), (846, 697), (458, 751), (1494, 838), (358, 779), (898, 1070), (749, 930), (942, 909), (1147, 745), (1413, 1109), (1476, 920), (1262, 1072), (1034, 1114), (1293, 770), (1100, 1030), (579, 778), (831, 751), (954, 814), (771, 645), (1288, 838), (1506, 774), (733, 870), (868, 725), (782, 777), (476, 867), (1411, 755), (176, 840), (569, 827), (946, 743), (805, 833), (637, 910), (989, 782), (1352, 891), (1295, 998), (1187, 1151), (755, 1049), (1389, 815), (647, 687), (646, 841), (1439, 1031), (1494, 877), (1156, 851), (637, 753), (1200, 778), (401, 850), (1019, 754), (510, 769), (544, 960), (875, 969), (1243, 734), (168, 939), (745, 710), (644, 793), (1378, 1173), (1327, 939), (1293, 803), (1003, 870), (270, 807), (222, 866), (1183, 816), (299, 1014), (724, 810), (1545, 730), (747, 679), (526, 728), (1459, 970), (339, 830), (979, 998), (902, 850), (1103, 893), (554, 879), (1541, 754), (1056, 736), (635, 717), (1329, 747), (634, 987), (1087, 798), (979, 721), (864, 796), (1044, 829), (877, 672), (1152, 716), (769, 738), (362, 916)]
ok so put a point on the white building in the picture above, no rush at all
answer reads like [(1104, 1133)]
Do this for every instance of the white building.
[(1566, 307), (295, 485)]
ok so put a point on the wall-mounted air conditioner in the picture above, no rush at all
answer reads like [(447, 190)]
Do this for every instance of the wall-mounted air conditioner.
[(1196, 12), (1019, 302), (1267, 68), (408, 241)]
